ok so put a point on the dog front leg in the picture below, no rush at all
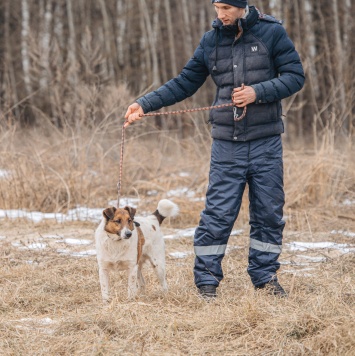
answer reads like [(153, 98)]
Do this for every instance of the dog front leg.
[(104, 283), (133, 282)]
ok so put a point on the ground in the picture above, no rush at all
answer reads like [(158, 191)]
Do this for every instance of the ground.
[(50, 299)]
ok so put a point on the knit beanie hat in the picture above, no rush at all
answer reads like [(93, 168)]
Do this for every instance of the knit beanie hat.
[(237, 3)]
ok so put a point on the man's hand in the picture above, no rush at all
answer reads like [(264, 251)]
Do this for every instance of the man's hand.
[(242, 97), (134, 113)]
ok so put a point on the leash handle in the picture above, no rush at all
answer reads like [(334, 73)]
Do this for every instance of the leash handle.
[(235, 109)]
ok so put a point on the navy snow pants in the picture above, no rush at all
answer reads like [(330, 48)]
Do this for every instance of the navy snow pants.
[(233, 164)]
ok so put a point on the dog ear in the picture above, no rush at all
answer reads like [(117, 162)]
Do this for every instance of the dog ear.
[(131, 211), (109, 213)]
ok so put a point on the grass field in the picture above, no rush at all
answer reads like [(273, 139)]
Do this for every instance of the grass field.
[(50, 302)]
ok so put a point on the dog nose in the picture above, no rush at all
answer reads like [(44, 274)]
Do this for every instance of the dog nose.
[(128, 234)]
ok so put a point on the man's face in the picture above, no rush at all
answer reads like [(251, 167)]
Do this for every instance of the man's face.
[(227, 13)]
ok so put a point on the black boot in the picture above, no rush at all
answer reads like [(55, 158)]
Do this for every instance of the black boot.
[(274, 288), (208, 291)]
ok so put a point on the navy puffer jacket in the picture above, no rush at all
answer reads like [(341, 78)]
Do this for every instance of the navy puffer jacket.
[(261, 56)]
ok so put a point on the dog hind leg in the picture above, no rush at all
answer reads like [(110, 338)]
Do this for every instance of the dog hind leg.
[(160, 271), (159, 268), (141, 282)]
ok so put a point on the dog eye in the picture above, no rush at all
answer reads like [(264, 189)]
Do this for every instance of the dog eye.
[(129, 221), (118, 221)]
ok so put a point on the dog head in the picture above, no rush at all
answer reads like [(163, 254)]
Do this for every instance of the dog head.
[(119, 222)]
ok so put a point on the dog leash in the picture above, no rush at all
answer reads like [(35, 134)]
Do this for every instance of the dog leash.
[(119, 183), (206, 108), (175, 112)]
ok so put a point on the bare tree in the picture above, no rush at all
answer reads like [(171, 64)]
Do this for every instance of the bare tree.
[(121, 8), (71, 42), (25, 33), (45, 45), (171, 42), (108, 40)]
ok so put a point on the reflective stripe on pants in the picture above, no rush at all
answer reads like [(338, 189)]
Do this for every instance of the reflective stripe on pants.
[(210, 250)]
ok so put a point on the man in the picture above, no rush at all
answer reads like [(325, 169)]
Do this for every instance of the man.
[(249, 56)]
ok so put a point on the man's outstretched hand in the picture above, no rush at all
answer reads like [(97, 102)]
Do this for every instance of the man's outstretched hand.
[(134, 113)]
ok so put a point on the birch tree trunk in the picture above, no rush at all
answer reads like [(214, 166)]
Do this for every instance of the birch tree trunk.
[(108, 39), (45, 46), (58, 23), (72, 43), (348, 30), (187, 27), (121, 8), (25, 46), (169, 24), (325, 67), (9, 83), (151, 33), (339, 65), (2, 55), (144, 52)]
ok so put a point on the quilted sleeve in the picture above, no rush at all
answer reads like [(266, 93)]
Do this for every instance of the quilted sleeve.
[(288, 65), (191, 78)]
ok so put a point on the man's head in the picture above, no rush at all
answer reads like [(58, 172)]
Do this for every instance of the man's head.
[(228, 11)]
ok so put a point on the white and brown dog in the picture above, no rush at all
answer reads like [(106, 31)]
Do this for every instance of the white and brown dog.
[(125, 242)]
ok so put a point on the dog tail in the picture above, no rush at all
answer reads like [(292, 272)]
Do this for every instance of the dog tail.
[(166, 209)]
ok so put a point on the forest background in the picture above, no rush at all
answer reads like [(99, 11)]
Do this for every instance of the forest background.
[(61, 59)]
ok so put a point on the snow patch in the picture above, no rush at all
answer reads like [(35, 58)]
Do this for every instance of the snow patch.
[(77, 241), (179, 254), (305, 246), (4, 173), (344, 233), (35, 246)]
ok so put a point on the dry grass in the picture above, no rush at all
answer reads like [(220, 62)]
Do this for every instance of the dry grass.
[(54, 171), (317, 318)]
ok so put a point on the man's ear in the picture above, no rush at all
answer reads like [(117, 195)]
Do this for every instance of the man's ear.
[(109, 213), (131, 211)]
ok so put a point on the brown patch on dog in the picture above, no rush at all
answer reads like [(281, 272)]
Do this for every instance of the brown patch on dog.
[(159, 216), (109, 213), (140, 244), (154, 228), (131, 211), (117, 219)]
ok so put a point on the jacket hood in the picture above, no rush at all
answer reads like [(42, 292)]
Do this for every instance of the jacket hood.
[(246, 23)]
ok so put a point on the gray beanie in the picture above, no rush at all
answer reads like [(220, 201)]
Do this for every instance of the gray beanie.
[(237, 3)]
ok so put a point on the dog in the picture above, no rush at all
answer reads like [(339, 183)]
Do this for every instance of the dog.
[(124, 242)]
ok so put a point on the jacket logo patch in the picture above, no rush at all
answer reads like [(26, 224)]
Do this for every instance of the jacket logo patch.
[(254, 48)]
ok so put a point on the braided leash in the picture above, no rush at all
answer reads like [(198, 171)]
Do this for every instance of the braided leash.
[(236, 117), (206, 108), (175, 112), (121, 168)]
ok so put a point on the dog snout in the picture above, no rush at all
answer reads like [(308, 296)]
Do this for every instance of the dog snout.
[(127, 234)]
